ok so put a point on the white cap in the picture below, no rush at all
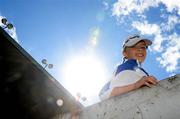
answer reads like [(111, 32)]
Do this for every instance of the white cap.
[(134, 39)]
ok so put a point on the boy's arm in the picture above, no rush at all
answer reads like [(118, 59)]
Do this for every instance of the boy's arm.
[(146, 80), (123, 89)]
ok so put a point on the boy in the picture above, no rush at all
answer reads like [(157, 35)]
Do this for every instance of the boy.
[(129, 75)]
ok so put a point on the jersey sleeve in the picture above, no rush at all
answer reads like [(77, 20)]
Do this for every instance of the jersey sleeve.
[(124, 78)]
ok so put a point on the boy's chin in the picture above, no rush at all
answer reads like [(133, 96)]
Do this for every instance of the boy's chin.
[(140, 60)]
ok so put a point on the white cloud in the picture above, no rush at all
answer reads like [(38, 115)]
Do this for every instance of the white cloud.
[(171, 5), (122, 7), (171, 56), (172, 21), (157, 43), (146, 28), (125, 7), (11, 32)]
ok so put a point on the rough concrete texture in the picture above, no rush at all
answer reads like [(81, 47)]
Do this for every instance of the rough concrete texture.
[(159, 102)]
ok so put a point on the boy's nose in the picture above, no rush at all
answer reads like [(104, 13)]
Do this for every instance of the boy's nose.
[(140, 49)]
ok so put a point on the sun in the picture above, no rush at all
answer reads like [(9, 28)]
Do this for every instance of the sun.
[(84, 75)]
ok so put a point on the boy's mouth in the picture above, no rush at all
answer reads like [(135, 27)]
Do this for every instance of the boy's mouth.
[(140, 55)]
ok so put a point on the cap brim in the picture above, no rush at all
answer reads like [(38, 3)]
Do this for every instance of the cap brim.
[(147, 41), (135, 41)]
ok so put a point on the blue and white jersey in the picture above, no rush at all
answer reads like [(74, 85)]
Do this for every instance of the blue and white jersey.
[(125, 74)]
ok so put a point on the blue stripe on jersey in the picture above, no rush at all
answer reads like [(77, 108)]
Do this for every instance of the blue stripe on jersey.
[(128, 65), (144, 71)]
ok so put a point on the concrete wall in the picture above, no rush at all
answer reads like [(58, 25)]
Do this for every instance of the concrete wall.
[(160, 102)]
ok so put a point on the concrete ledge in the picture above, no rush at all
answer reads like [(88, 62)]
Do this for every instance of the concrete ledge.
[(160, 102)]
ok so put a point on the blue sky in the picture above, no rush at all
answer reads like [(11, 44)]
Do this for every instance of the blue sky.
[(83, 38)]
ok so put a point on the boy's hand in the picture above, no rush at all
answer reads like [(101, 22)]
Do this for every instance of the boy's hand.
[(147, 81)]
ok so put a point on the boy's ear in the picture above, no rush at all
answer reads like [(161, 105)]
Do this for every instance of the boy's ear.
[(125, 54)]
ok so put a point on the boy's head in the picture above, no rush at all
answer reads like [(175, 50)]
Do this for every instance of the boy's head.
[(135, 48)]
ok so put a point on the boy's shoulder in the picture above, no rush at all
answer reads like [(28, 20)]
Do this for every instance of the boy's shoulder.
[(128, 65)]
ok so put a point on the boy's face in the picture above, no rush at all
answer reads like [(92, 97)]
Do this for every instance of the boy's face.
[(137, 52)]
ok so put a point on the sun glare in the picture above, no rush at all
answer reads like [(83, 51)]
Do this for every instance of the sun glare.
[(84, 75)]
